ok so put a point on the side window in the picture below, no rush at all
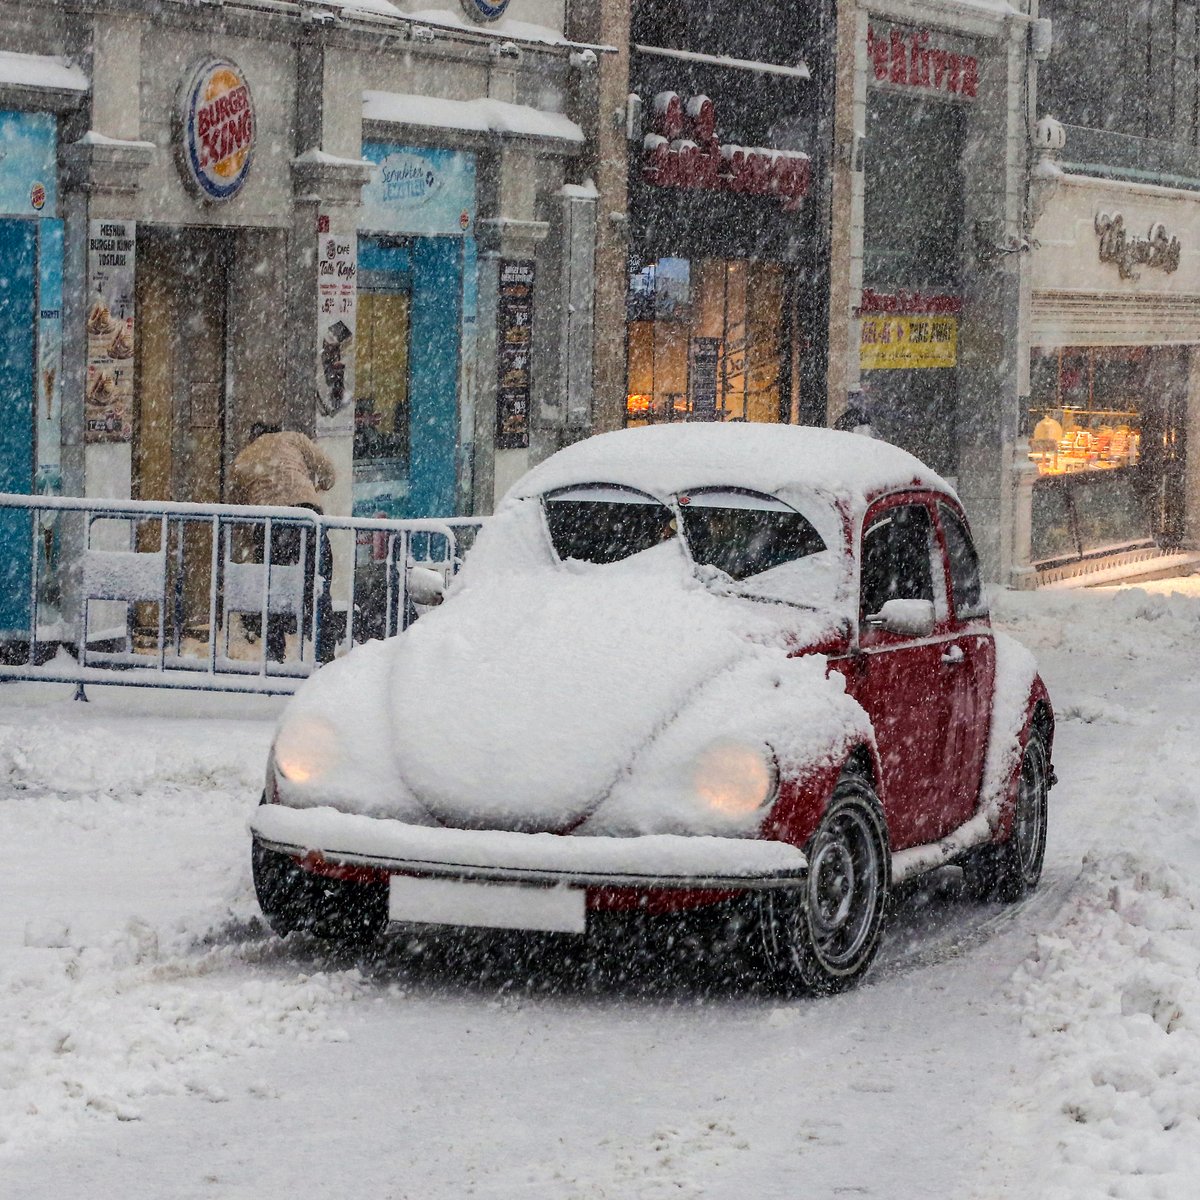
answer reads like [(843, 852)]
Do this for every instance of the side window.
[(964, 565), (896, 558)]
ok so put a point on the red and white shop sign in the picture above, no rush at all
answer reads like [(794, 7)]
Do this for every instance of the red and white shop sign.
[(218, 129), (906, 58), (906, 303), (682, 151)]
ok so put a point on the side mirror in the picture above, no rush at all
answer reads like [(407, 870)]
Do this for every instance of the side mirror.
[(911, 618), (425, 587)]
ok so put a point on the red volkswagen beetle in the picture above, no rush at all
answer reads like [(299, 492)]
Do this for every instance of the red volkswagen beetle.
[(683, 666)]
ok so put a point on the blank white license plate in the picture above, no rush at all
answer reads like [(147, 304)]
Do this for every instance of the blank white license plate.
[(489, 905)]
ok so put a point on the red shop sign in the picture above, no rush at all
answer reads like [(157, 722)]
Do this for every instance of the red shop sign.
[(907, 59), (683, 152)]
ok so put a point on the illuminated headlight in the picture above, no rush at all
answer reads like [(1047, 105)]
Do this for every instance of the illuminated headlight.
[(735, 778), (306, 749)]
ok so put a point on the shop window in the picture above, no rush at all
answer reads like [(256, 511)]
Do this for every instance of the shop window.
[(1113, 515), (1052, 525), (705, 341), (1074, 516), (1087, 408), (381, 400)]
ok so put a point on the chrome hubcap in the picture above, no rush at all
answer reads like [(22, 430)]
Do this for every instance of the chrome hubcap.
[(843, 887)]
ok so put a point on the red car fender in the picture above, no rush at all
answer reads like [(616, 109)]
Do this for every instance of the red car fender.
[(803, 798), (1037, 708)]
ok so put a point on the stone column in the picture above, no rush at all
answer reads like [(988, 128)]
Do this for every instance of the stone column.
[(606, 162), (510, 231)]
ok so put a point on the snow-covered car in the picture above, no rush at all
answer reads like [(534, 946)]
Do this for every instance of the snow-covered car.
[(683, 666)]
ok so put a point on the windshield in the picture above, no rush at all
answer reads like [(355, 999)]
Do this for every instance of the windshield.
[(606, 524), (743, 534)]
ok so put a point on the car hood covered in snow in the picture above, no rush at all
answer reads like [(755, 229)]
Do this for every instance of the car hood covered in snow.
[(525, 700)]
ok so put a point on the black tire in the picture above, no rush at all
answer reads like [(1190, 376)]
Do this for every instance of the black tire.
[(296, 901), (822, 938), (1009, 870)]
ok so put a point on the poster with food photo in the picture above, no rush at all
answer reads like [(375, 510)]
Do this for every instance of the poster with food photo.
[(108, 387), (337, 321)]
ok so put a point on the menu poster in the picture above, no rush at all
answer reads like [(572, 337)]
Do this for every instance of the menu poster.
[(337, 323), (702, 377), (514, 340), (108, 388)]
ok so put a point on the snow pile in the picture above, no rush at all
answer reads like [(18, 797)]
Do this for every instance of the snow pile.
[(472, 116), (1111, 995), (1113, 999), (125, 858), (95, 1030)]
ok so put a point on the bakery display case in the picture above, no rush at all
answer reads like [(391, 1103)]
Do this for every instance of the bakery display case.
[(1086, 409)]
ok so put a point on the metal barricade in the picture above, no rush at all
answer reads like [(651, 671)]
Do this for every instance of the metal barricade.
[(213, 597)]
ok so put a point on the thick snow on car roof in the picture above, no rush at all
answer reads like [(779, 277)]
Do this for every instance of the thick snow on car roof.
[(666, 459)]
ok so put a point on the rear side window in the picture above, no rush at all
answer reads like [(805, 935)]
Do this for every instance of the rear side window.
[(964, 565), (606, 524), (744, 534), (896, 557)]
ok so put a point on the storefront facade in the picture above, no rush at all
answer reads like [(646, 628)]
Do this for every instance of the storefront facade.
[(1107, 483), (727, 249), (246, 216), (930, 244), (31, 249)]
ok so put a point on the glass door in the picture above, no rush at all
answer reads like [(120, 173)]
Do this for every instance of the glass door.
[(381, 403)]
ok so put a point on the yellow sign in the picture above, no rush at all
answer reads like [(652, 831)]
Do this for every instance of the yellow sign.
[(908, 342)]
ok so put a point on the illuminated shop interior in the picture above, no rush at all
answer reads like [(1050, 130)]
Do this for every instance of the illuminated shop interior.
[(705, 341), (1086, 408)]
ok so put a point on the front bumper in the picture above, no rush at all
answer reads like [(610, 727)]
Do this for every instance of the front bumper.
[(651, 861)]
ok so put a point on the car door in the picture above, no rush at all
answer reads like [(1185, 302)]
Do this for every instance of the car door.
[(970, 658), (899, 679)]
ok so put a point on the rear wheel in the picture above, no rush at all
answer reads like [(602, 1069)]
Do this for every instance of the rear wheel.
[(294, 900), (1011, 869), (823, 937)]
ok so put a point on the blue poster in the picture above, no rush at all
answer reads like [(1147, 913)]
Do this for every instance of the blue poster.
[(428, 192), (28, 164)]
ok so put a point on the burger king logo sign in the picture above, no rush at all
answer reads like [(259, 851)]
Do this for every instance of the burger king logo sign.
[(218, 130)]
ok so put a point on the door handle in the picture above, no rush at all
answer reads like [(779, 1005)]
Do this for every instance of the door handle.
[(953, 656)]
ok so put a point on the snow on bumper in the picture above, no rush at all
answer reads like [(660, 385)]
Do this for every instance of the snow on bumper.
[(657, 860)]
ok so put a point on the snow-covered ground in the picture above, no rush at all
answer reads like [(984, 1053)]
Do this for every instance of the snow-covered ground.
[(155, 1043)]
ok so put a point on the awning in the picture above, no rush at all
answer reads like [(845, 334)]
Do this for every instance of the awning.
[(481, 116)]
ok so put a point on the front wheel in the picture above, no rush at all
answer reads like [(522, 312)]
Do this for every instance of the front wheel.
[(823, 937), (1010, 870)]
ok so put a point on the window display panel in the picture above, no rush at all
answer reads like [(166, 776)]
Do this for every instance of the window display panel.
[(1109, 512), (1053, 524), (705, 341)]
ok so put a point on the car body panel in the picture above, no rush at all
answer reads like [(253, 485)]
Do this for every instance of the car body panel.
[(571, 700)]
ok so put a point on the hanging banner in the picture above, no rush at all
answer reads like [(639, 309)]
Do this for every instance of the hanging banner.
[(514, 341), (28, 151), (337, 322), (108, 390), (908, 343), (49, 375), (418, 189)]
